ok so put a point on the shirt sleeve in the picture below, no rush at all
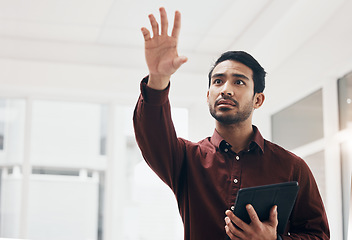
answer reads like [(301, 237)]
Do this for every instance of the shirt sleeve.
[(156, 136), (308, 219)]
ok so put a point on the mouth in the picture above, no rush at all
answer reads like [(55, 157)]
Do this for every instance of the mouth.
[(226, 103)]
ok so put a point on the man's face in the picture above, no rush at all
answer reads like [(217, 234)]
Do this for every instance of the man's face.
[(231, 97)]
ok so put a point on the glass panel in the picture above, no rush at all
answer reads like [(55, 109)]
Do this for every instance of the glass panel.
[(316, 163), (10, 198), (345, 101), (2, 123), (57, 202), (66, 133), (300, 123), (103, 128), (48, 171), (12, 116), (67, 143), (349, 231), (346, 171)]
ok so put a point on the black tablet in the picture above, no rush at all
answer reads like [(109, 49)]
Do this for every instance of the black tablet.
[(263, 198)]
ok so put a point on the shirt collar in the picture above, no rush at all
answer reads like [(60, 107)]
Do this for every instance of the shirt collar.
[(221, 143)]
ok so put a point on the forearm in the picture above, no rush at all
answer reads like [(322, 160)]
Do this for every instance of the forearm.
[(155, 133)]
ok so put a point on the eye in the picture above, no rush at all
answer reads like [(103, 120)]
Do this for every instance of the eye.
[(239, 82), (217, 81)]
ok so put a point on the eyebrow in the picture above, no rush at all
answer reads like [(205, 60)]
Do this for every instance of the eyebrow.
[(234, 75)]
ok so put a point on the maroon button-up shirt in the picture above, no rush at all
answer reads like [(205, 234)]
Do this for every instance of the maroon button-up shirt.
[(207, 175)]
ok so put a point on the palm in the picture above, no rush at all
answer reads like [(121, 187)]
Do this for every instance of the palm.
[(160, 53)]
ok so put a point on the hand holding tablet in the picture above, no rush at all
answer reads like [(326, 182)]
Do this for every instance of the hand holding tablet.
[(263, 198)]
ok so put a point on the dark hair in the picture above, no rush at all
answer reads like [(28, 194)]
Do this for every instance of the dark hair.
[(246, 59)]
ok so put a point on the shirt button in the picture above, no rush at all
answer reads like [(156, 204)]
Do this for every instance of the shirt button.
[(237, 158), (226, 150), (232, 208), (235, 180)]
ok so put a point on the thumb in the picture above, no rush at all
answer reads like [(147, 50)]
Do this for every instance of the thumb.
[(179, 61)]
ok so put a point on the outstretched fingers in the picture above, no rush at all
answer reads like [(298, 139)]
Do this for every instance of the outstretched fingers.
[(164, 25), (177, 25), (146, 34), (154, 24), (163, 20)]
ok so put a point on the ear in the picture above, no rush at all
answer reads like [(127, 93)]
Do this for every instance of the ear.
[(208, 96), (258, 100)]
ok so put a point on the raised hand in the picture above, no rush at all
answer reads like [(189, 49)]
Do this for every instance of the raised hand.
[(161, 50)]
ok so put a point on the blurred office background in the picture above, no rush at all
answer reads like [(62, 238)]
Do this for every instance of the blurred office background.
[(69, 78)]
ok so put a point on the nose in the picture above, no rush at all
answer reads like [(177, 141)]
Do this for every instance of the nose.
[(226, 90)]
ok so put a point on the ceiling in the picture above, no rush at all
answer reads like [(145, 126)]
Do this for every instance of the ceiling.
[(96, 46)]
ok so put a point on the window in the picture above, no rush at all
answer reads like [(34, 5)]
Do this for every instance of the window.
[(314, 162), (66, 133), (298, 127), (65, 162), (344, 85), (300, 123), (346, 163), (74, 180), (345, 101)]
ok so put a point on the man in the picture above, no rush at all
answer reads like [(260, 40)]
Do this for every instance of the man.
[(207, 175)]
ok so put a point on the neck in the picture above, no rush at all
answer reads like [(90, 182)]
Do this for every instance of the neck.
[(238, 135)]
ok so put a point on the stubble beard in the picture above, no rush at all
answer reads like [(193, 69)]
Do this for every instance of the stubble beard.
[(229, 119)]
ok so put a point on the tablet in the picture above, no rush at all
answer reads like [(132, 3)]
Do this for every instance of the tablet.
[(263, 198)]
